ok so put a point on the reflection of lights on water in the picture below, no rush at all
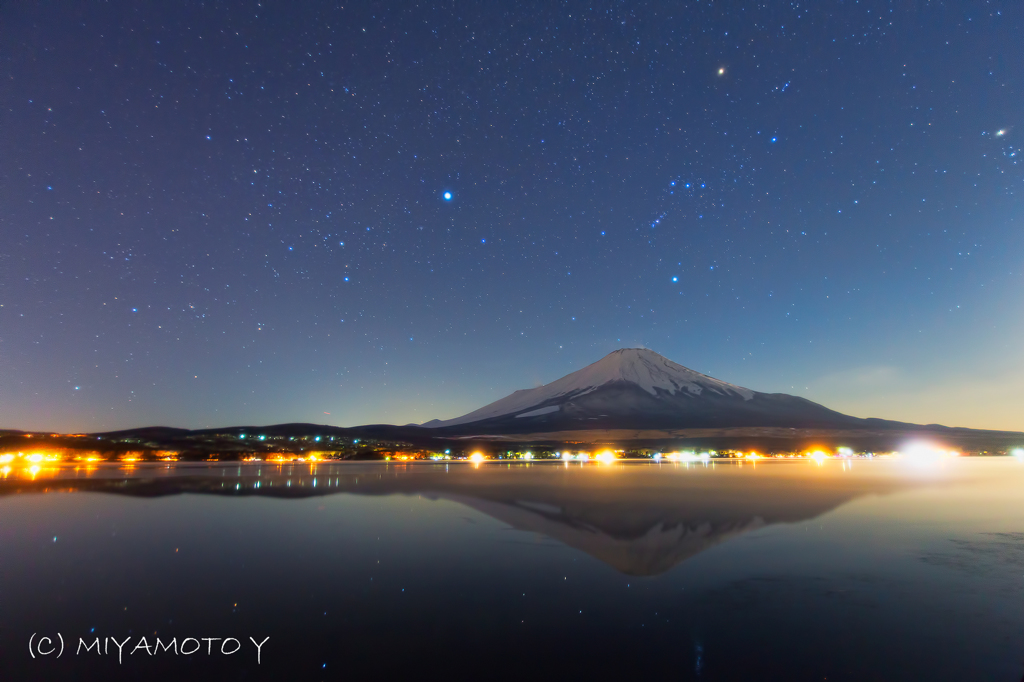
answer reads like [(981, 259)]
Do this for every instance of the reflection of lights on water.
[(5, 471), (34, 469)]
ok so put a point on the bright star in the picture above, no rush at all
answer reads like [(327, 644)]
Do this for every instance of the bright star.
[(721, 71), (447, 196)]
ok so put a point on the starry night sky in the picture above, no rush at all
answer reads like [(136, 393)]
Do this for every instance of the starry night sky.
[(238, 213)]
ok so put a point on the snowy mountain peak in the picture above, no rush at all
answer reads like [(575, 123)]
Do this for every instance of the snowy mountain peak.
[(639, 366), (649, 371)]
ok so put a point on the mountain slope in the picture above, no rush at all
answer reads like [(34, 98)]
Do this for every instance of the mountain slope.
[(638, 388)]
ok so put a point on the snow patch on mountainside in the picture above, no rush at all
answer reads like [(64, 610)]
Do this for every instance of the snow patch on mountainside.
[(538, 412), (639, 366)]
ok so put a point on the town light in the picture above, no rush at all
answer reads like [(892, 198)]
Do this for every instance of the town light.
[(925, 452)]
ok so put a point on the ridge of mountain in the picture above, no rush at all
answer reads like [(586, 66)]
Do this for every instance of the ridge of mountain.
[(638, 388)]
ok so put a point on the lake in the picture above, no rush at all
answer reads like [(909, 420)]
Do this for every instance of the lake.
[(845, 569)]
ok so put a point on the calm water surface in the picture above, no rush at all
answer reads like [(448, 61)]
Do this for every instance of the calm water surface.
[(862, 570)]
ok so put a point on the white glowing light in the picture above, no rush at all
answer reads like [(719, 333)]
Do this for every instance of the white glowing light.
[(566, 456), (606, 457), (476, 458), (1018, 453), (926, 452), (447, 196)]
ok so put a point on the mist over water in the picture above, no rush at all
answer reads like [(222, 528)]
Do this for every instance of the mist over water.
[(780, 570)]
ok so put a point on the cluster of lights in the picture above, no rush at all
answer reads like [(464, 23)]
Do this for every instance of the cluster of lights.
[(686, 456), (286, 458), (605, 456), (915, 452), (34, 457)]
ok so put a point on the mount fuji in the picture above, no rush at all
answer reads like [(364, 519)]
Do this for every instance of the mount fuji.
[(636, 388)]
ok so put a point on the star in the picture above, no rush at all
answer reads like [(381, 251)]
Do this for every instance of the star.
[(447, 196)]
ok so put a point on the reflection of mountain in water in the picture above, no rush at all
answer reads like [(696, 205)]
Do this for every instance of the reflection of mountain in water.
[(640, 519), (653, 551)]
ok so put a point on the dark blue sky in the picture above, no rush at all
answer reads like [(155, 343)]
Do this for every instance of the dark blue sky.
[(223, 213)]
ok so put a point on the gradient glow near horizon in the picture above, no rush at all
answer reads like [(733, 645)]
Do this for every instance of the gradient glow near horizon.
[(235, 214)]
